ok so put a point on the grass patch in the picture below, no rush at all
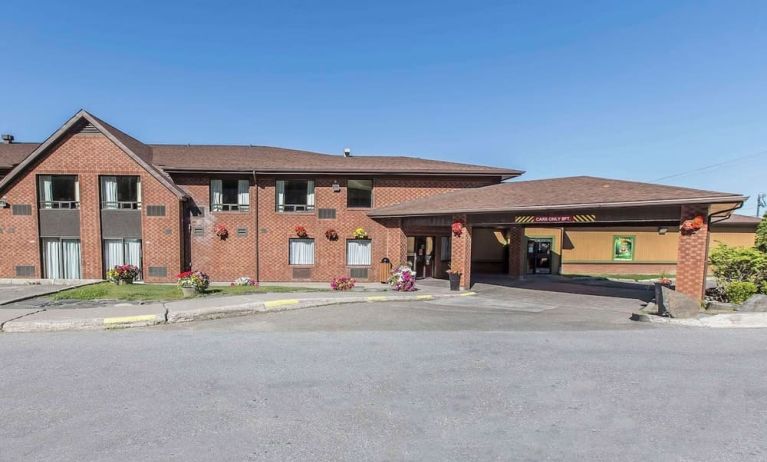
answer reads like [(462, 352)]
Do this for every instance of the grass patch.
[(633, 277), (161, 292)]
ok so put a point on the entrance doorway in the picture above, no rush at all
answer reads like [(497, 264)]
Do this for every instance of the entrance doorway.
[(539, 255), (422, 256)]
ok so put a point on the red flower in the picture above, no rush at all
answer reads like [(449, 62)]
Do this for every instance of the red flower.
[(300, 231), (221, 231), (457, 228)]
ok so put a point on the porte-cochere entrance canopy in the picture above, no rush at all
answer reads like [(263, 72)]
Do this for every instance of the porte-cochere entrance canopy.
[(574, 201)]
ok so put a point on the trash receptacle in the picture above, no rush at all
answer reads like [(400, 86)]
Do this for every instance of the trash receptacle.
[(384, 269)]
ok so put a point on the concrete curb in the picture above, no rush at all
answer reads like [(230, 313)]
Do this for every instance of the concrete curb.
[(175, 312), (723, 320)]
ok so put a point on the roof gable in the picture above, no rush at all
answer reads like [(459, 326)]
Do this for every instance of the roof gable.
[(138, 151)]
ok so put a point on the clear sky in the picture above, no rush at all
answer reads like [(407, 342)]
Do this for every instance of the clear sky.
[(634, 90)]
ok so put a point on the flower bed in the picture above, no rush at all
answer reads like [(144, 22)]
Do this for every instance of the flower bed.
[(197, 280), (343, 283), (402, 279), (244, 281), (122, 274)]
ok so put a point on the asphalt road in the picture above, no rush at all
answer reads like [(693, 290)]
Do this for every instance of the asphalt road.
[(477, 379)]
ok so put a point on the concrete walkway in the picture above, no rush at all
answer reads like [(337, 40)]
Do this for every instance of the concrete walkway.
[(122, 315), (16, 291)]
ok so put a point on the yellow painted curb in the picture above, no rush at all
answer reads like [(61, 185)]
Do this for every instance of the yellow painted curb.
[(126, 319), (273, 303), (466, 294), (379, 298), (424, 297)]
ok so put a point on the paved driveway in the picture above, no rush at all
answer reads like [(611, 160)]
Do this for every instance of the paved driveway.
[(10, 293)]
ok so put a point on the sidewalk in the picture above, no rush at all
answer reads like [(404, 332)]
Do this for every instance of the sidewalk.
[(122, 315)]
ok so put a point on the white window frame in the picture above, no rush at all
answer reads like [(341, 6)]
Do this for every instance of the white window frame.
[(243, 196), (279, 197), (291, 256)]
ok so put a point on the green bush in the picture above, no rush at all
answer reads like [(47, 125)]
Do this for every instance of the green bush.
[(739, 291), (761, 234), (741, 264)]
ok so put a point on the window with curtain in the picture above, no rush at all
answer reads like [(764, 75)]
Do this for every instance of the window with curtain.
[(301, 252), (61, 258), (121, 192), (359, 193), (58, 191), (227, 195), (122, 252), (295, 195), (358, 252), (445, 248)]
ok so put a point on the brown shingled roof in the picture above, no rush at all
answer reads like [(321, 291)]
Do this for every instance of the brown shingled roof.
[(553, 194), (740, 220)]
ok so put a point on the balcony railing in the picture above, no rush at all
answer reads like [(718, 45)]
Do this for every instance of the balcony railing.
[(229, 208), (294, 208), (59, 205), (121, 205)]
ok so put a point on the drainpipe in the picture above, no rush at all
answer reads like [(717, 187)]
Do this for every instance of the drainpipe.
[(258, 256)]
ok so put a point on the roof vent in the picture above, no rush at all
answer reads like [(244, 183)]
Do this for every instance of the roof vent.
[(347, 152), (7, 138)]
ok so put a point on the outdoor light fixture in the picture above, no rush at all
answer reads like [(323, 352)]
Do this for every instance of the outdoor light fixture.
[(336, 186), (662, 230), (3, 202)]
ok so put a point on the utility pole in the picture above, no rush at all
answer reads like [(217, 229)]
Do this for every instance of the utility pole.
[(761, 201)]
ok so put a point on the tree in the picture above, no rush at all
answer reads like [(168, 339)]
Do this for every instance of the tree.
[(761, 234)]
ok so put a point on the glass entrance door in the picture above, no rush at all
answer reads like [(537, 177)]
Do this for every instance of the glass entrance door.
[(539, 255), (61, 258), (424, 256)]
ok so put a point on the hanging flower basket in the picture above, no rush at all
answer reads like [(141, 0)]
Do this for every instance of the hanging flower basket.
[(221, 232), (691, 226), (360, 233), (300, 231), (457, 228), (331, 234)]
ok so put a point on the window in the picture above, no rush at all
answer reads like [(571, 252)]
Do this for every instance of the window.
[(229, 195), (623, 248), (445, 248), (358, 252), (122, 252), (61, 258), (59, 192), (359, 193), (295, 195), (120, 192), (301, 252)]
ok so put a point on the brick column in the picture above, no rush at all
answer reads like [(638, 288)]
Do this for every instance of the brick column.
[(692, 254), (460, 249), (516, 249), (396, 241)]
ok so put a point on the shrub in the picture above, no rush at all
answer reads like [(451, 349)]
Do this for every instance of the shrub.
[(740, 264), (739, 291), (402, 279), (761, 234), (244, 281), (196, 279), (122, 273), (342, 283)]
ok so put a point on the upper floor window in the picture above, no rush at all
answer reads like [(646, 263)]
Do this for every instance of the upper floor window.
[(120, 192), (295, 195), (229, 195), (59, 192), (359, 193)]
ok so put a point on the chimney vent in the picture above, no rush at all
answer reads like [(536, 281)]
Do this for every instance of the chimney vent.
[(7, 138), (347, 152)]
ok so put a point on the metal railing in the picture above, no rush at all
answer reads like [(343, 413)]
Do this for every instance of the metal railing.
[(121, 205), (294, 208), (229, 208), (59, 205)]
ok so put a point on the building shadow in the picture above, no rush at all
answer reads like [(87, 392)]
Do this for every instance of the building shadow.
[(597, 286)]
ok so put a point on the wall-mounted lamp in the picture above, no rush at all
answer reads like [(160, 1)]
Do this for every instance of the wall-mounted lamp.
[(336, 186), (662, 230), (3, 202)]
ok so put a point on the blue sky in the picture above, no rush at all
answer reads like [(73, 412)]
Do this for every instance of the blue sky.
[(632, 90)]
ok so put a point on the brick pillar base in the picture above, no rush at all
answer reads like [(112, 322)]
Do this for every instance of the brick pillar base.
[(692, 255), (516, 249), (460, 249)]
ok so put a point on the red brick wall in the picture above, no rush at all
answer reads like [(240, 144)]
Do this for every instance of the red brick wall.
[(693, 255), (460, 251), (88, 156)]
